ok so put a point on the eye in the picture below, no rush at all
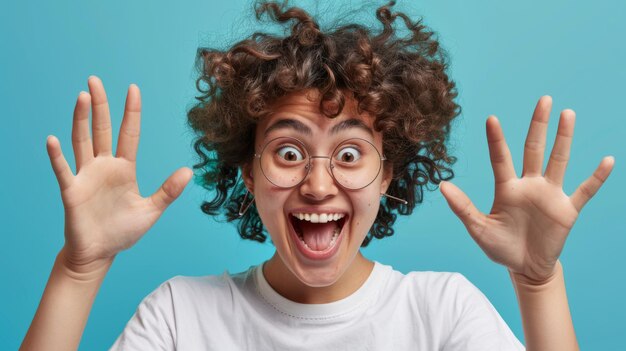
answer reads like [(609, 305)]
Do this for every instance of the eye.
[(290, 153), (348, 155)]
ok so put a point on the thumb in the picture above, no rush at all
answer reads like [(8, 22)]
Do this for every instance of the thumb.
[(171, 188), (462, 206)]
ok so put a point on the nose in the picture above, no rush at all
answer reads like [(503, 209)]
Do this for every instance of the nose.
[(319, 183)]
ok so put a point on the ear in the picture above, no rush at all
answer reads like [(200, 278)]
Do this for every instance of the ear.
[(387, 177), (248, 178)]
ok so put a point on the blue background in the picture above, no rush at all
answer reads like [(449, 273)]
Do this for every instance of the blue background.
[(504, 56)]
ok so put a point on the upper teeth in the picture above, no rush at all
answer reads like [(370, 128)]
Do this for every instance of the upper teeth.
[(319, 217)]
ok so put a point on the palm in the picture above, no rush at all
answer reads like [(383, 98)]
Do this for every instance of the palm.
[(531, 216), (104, 203), (528, 224), (104, 211)]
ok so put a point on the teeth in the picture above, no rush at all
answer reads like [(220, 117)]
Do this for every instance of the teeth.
[(319, 217)]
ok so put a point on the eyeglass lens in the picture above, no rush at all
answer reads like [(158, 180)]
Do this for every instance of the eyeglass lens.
[(355, 163)]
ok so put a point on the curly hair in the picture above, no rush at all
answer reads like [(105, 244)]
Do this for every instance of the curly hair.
[(401, 80)]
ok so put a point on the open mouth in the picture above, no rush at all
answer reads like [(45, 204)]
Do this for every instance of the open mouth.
[(317, 233)]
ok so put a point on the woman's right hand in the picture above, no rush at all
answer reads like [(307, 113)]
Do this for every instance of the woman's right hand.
[(104, 212)]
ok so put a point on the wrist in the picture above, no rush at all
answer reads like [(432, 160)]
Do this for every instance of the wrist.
[(524, 280), (83, 272)]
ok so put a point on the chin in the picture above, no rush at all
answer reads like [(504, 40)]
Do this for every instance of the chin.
[(318, 277)]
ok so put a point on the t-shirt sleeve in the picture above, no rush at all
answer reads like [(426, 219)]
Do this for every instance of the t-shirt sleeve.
[(153, 326), (476, 325)]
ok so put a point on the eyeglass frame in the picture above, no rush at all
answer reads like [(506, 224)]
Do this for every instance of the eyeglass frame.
[(309, 164)]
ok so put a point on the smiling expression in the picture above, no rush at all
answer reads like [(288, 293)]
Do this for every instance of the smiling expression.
[(333, 262)]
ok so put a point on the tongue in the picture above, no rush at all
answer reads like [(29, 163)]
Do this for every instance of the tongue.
[(317, 235)]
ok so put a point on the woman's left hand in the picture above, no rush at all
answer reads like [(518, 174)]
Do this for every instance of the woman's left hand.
[(531, 216)]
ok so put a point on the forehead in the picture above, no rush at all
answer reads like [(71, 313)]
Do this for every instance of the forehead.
[(299, 112)]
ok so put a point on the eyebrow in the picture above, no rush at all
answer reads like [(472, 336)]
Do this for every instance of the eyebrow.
[(304, 129), (351, 123), (289, 124)]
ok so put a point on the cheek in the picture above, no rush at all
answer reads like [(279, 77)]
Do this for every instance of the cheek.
[(365, 210), (270, 206)]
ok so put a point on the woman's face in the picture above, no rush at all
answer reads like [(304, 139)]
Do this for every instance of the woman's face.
[(317, 254)]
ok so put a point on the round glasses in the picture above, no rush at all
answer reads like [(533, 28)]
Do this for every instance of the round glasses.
[(354, 163)]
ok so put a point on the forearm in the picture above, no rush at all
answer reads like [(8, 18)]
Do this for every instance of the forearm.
[(545, 312), (65, 305)]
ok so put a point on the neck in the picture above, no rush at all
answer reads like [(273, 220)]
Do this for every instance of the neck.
[(282, 280)]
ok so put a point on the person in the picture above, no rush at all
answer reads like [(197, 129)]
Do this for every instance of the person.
[(318, 139)]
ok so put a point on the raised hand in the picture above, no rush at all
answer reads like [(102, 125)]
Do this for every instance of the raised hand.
[(104, 212), (531, 216)]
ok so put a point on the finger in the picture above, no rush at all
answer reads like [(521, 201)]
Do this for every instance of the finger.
[(81, 140), (499, 153), (128, 140), (101, 123), (462, 206), (171, 188), (60, 167), (589, 187), (535, 145), (555, 170)]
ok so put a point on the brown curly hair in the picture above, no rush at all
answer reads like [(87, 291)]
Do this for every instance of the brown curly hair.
[(401, 80)]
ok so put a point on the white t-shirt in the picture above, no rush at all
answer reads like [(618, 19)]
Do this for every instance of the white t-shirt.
[(391, 311)]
